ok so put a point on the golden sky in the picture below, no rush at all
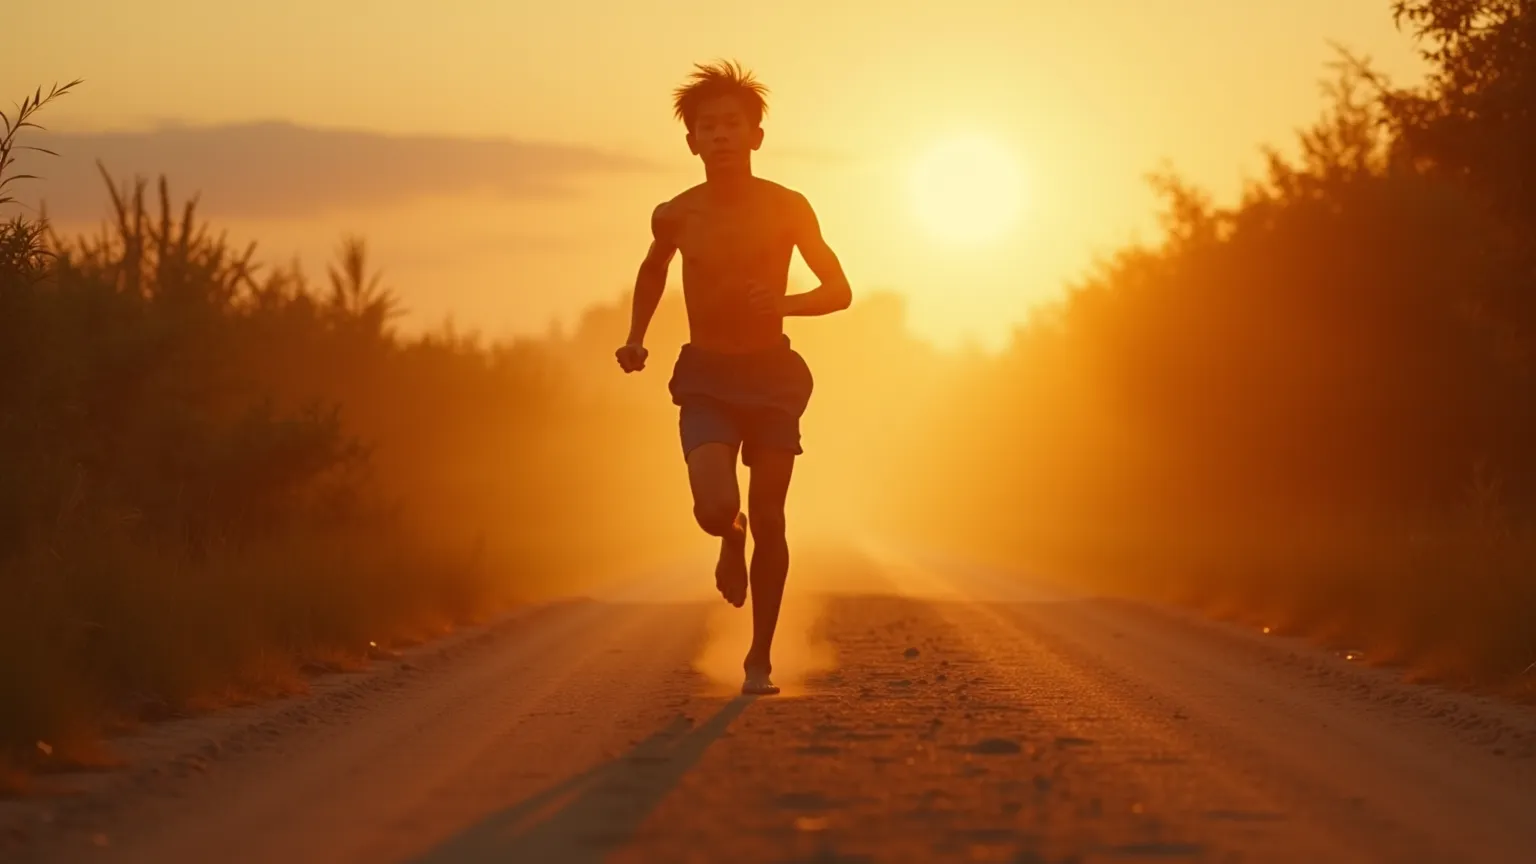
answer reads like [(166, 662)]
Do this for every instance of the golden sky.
[(1086, 97)]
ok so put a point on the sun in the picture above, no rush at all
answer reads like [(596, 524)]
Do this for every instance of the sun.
[(967, 190)]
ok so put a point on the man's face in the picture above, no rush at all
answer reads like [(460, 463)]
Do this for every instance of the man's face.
[(723, 134)]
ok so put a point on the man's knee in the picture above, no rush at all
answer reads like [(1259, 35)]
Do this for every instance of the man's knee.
[(768, 524), (716, 516)]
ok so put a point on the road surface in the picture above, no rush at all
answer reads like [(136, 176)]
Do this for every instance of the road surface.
[(928, 716)]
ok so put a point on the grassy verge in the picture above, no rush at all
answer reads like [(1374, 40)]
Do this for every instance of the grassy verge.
[(190, 514), (1452, 607), (109, 630)]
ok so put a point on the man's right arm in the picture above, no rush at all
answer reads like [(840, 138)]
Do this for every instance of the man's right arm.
[(651, 280)]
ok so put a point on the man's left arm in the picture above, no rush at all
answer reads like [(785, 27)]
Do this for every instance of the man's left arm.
[(833, 294)]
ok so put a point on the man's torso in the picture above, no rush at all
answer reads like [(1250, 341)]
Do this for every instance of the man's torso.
[(725, 245)]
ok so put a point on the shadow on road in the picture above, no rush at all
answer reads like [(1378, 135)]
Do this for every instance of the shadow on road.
[(583, 819)]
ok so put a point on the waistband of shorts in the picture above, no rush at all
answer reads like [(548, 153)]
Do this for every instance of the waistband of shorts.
[(782, 346)]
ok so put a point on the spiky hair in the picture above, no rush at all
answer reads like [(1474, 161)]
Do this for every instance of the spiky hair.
[(714, 80)]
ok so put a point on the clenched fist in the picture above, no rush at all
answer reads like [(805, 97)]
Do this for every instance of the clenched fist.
[(632, 357)]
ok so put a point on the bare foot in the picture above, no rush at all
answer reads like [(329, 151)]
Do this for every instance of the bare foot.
[(731, 570), (759, 684)]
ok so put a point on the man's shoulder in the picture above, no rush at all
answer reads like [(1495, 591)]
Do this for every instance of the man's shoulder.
[(670, 211), (790, 204), (683, 199), (780, 192)]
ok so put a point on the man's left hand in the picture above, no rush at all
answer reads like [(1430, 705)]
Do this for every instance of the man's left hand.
[(765, 301)]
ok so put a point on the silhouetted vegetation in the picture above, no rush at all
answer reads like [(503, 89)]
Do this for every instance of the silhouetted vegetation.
[(202, 470), (1312, 408), (1315, 407)]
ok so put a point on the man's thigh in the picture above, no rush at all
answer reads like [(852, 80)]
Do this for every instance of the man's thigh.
[(704, 422), (771, 441), (711, 439), (771, 473), (769, 434)]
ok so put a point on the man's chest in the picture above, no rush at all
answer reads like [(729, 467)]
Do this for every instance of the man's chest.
[(714, 236)]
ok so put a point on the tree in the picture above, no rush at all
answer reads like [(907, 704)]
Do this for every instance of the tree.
[(1475, 121)]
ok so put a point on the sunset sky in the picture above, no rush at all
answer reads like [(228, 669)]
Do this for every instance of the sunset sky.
[(503, 157)]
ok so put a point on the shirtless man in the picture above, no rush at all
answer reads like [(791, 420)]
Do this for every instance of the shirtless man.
[(739, 386)]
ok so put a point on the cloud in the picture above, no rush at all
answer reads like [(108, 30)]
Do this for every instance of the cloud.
[(282, 170)]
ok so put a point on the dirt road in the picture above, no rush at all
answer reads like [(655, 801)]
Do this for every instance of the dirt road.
[(938, 713)]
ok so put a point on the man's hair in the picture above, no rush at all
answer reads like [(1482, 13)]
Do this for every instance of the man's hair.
[(714, 80)]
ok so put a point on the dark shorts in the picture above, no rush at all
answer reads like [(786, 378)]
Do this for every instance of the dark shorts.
[(749, 400)]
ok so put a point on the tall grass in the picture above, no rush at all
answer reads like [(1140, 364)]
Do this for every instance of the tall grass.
[(183, 520)]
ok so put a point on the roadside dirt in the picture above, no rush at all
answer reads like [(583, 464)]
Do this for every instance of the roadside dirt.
[(933, 712)]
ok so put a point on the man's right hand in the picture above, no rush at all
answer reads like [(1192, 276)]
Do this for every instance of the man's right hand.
[(632, 357)]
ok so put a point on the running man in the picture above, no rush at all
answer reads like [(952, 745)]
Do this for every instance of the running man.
[(739, 386)]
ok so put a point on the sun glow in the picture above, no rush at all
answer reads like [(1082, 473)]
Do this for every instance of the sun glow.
[(967, 190)]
